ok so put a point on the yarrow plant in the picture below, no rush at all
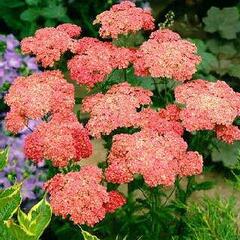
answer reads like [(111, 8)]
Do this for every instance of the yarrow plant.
[(147, 146)]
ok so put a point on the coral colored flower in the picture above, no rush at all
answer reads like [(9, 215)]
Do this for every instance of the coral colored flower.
[(95, 60), (81, 197), (60, 140), (228, 134), (165, 54), (71, 29), (50, 43), (14, 121), (157, 157), (116, 200), (150, 119), (34, 147), (171, 113), (207, 104), (35, 96), (124, 18), (117, 108), (191, 164)]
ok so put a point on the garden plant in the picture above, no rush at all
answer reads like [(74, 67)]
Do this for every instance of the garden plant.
[(135, 89)]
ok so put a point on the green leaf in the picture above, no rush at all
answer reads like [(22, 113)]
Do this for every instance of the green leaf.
[(219, 48), (32, 2), (23, 219), (234, 70), (54, 12), (201, 46), (88, 236), (11, 231), (209, 61), (37, 219), (203, 186), (10, 200), (226, 153), (11, 4), (225, 22), (30, 14), (50, 22), (4, 158)]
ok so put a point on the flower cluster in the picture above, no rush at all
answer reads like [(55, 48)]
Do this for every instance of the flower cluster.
[(159, 158), (228, 134), (115, 109), (95, 60), (12, 63), (124, 18), (209, 106), (80, 196), (61, 139), (35, 96), (163, 121), (165, 54), (19, 169), (49, 44), (156, 150)]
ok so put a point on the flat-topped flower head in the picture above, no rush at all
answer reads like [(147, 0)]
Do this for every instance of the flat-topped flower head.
[(228, 134), (171, 112), (165, 54), (157, 157), (48, 44), (124, 18), (60, 140), (95, 60), (115, 109), (71, 29), (157, 121), (35, 96), (116, 200), (207, 104), (81, 197)]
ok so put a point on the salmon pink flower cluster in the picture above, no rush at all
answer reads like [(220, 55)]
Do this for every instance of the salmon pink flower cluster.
[(71, 29), (37, 95), (115, 109), (96, 59), (124, 18), (61, 139), (228, 134), (158, 157), (144, 140), (81, 197), (209, 106), (151, 119), (49, 44), (166, 55)]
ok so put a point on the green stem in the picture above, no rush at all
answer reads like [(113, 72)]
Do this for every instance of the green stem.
[(156, 88), (169, 196), (165, 91), (125, 74), (155, 207)]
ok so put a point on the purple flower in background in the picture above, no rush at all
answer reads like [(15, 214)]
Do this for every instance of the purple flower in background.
[(12, 63), (19, 169), (31, 63), (11, 42), (12, 60)]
